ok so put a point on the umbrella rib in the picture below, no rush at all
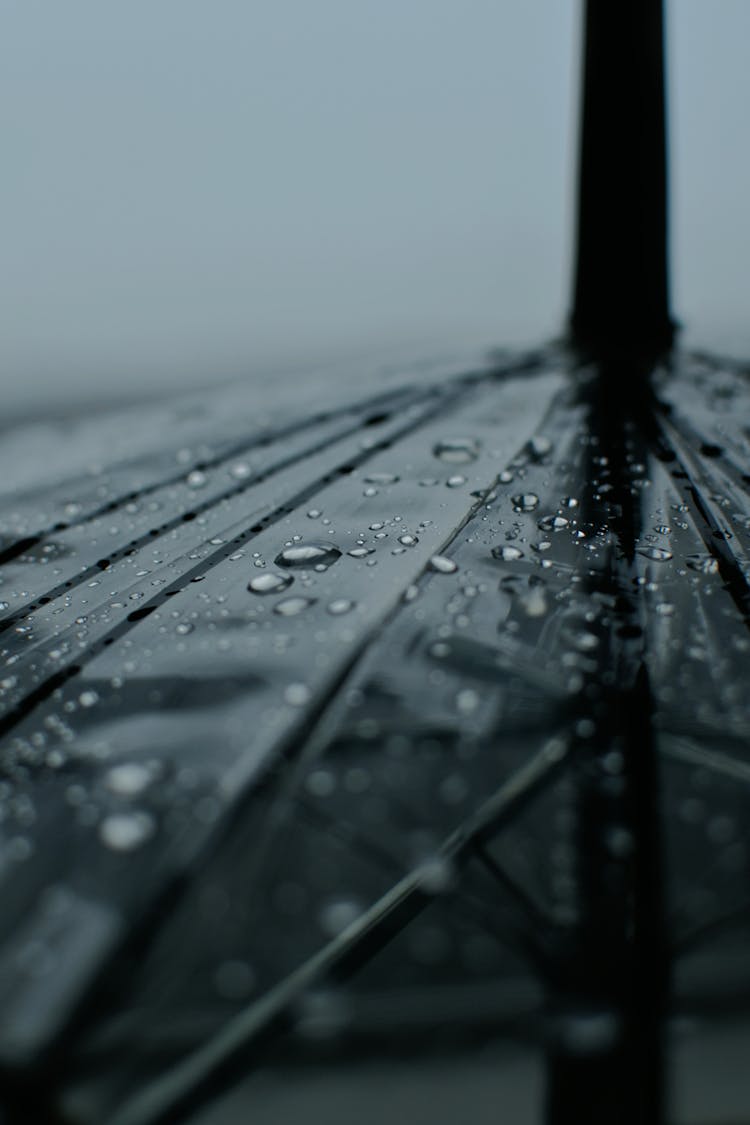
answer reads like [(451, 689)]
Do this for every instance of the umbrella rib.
[(189, 1082)]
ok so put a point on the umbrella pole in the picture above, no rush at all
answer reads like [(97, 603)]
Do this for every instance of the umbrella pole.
[(621, 290)]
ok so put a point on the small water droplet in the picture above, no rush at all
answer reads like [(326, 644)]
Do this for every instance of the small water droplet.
[(408, 540), (297, 695), (443, 565), (184, 628), (457, 451), (124, 832), (269, 583), (586, 642), (361, 552), (337, 915), (507, 553), (553, 523), (538, 447), (456, 481), (704, 564), (128, 779), (380, 478), (340, 605), (196, 479), (290, 607), (656, 554), (525, 502)]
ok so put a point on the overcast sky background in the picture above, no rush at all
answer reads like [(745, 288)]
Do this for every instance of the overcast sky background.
[(199, 189)]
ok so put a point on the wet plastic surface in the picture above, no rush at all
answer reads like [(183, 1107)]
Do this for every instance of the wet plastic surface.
[(401, 726)]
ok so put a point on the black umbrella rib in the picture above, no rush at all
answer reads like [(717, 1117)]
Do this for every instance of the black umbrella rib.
[(201, 1074), (45, 689), (380, 406), (685, 475), (190, 513)]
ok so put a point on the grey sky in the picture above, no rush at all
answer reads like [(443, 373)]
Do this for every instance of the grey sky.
[(196, 189)]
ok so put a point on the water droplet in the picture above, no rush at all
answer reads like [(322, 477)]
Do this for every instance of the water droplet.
[(586, 642), (507, 553), (655, 554), (380, 478), (314, 514), (337, 915), (290, 607), (704, 564), (467, 701), (408, 540), (240, 470), (361, 552), (570, 502), (269, 583), (370, 491), (553, 523), (88, 698), (196, 479), (124, 832), (525, 502), (297, 695), (340, 605), (455, 481), (538, 447), (184, 628), (128, 778), (442, 565), (457, 451), (309, 554)]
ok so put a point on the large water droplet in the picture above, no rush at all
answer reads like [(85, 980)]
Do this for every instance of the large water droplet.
[(457, 451), (269, 583), (308, 554)]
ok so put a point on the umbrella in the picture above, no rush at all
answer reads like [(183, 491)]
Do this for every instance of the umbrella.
[(353, 727)]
